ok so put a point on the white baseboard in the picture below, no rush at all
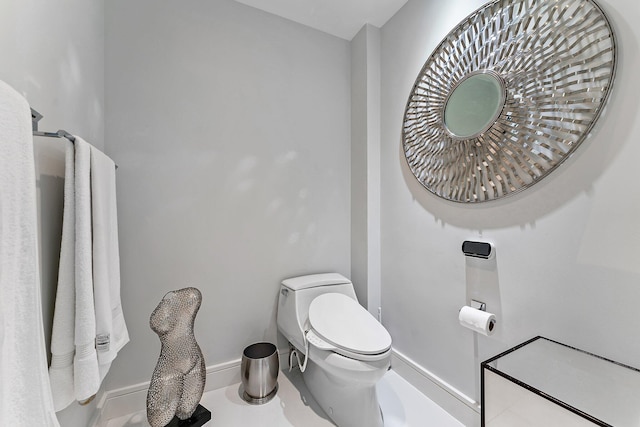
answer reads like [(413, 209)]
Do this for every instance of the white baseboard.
[(459, 405), (131, 399)]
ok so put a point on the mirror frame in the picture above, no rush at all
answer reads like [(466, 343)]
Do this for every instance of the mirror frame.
[(557, 61)]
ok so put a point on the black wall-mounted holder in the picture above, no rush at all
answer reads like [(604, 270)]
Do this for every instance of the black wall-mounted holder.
[(477, 249)]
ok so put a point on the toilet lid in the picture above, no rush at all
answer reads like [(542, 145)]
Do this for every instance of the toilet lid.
[(344, 323)]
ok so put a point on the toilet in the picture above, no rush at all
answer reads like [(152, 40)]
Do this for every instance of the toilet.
[(348, 349)]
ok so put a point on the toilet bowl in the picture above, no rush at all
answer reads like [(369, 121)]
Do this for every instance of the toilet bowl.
[(347, 351)]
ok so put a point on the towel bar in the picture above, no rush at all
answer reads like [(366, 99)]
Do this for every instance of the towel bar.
[(61, 133)]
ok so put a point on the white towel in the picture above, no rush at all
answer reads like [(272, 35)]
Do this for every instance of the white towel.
[(88, 319), (63, 332), (25, 393), (86, 374), (111, 330)]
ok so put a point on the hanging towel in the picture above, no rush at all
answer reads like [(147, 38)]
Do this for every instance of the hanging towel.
[(89, 327), (111, 330), (63, 332), (86, 374), (25, 393)]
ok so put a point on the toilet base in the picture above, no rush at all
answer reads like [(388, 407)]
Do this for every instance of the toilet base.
[(348, 404)]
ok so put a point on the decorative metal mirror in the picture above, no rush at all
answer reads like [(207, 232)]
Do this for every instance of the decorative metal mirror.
[(507, 96)]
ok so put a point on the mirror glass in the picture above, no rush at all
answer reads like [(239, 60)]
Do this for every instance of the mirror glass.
[(474, 105)]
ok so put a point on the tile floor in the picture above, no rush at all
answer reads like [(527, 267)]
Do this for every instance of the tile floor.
[(402, 405)]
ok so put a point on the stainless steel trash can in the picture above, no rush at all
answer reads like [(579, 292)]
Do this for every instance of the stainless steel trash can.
[(259, 371)]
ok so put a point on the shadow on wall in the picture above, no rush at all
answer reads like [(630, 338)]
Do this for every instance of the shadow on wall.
[(50, 197), (575, 176)]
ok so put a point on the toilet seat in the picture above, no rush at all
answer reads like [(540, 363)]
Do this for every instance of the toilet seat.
[(340, 324), (314, 340)]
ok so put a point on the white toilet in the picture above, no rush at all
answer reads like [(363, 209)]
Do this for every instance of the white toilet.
[(348, 349)]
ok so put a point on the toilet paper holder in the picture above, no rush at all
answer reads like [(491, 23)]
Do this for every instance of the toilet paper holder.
[(478, 305)]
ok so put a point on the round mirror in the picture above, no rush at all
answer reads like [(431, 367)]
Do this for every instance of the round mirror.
[(473, 105), (507, 96)]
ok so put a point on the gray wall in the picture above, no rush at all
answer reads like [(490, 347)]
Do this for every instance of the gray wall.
[(359, 185), (231, 128), (567, 248), (53, 54), (365, 166)]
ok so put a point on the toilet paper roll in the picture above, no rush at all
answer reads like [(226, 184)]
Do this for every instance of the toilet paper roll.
[(477, 320)]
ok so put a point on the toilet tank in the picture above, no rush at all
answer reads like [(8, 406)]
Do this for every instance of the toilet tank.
[(296, 295)]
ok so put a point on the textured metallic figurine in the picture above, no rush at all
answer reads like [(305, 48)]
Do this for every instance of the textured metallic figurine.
[(178, 379)]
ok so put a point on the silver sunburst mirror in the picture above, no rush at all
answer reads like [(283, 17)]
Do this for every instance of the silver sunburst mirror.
[(507, 96)]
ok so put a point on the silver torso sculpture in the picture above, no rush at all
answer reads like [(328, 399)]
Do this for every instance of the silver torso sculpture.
[(178, 379)]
